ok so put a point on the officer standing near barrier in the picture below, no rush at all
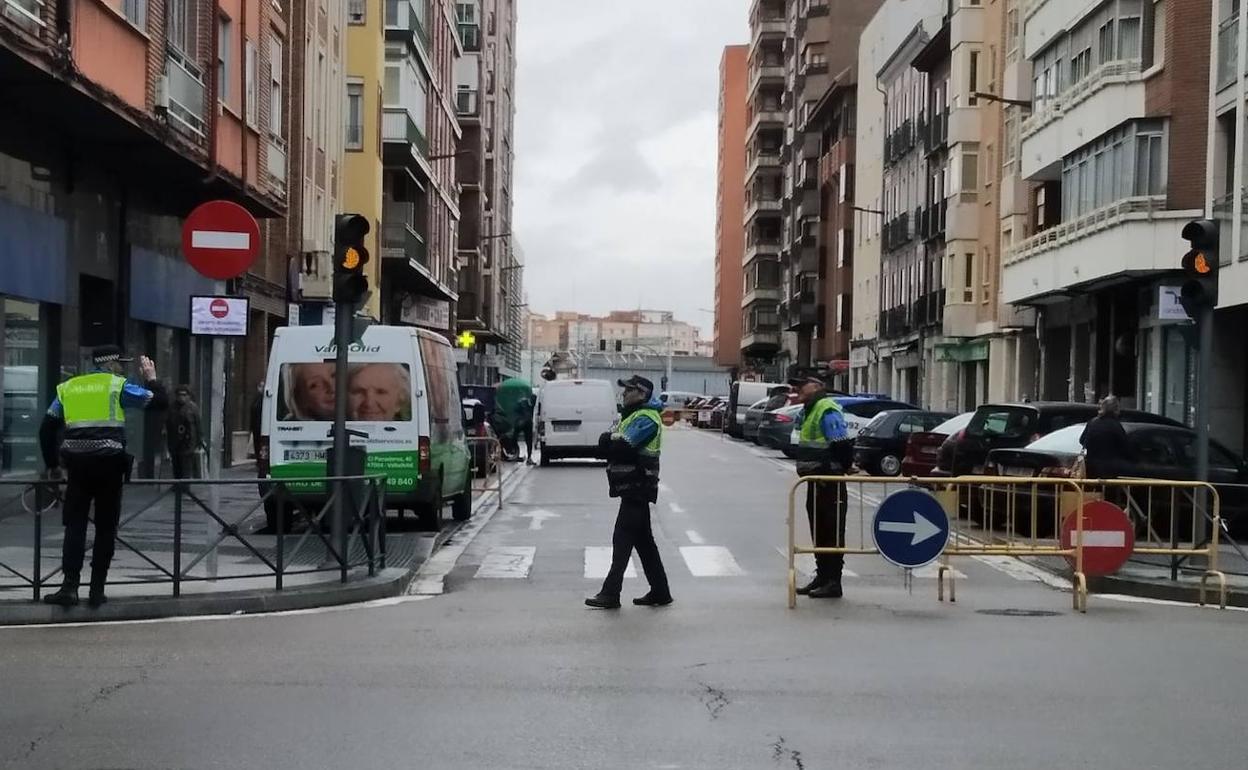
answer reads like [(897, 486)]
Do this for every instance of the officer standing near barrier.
[(632, 455), (825, 448), (90, 411)]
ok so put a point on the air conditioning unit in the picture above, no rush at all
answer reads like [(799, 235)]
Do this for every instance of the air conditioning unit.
[(162, 93)]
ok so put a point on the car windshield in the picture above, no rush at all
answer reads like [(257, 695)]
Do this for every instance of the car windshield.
[(759, 404), (1063, 440), (876, 424), (1010, 422), (953, 424)]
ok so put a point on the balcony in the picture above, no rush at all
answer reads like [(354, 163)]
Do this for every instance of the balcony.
[(316, 270), (807, 175), (763, 160), (899, 143), (761, 294), (766, 116), (467, 103), (470, 36), (768, 25), (765, 73), (896, 232), (398, 128), (813, 9), (399, 238), (757, 248), (185, 94), (759, 205), (1130, 237), (405, 21), (932, 221), (275, 162), (761, 341), (928, 309), (27, 13), (802, 311), (895, 322), (935, 132)]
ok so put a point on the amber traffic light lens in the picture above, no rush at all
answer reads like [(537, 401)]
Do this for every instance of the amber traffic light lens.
[(351, 259), (1201, 264)]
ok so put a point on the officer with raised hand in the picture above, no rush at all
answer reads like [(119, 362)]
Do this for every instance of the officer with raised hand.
[(89, 416), (632, 455)]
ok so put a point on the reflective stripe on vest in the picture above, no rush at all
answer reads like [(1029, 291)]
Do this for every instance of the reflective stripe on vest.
[(811, 433), (92, 401), (655, 445)]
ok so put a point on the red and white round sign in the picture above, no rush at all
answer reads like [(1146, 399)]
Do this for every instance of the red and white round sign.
[(1108, 537), (219, 308), (220, 239)]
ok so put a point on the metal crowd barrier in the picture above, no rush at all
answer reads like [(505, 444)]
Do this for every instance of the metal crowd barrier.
[(173, 560), (1013, 516), (495, 467)]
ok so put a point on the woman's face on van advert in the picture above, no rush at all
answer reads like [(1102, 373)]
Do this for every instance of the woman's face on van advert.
[(376, 393), (315, 391)]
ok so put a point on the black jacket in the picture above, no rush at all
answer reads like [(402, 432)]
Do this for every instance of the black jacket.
[(1105, 441)]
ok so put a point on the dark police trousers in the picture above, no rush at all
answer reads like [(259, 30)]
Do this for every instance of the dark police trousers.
[(97, 479), (632, 531), (826, 506)]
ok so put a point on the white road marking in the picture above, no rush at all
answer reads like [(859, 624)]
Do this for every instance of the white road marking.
[(675, 507), (1162, 602), (598, 563), (805, 564), (220, 239), (694, 537), (710, 561), (538, 517), (507, 562), (1021, 570)]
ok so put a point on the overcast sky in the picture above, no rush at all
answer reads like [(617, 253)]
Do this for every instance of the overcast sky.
[(616, 116)]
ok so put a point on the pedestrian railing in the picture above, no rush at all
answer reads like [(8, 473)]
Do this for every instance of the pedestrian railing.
[(495, 468), (173, 530), (1008, 516)]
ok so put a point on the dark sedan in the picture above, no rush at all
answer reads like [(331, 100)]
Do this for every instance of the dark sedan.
[(880, 447), (776, 429)]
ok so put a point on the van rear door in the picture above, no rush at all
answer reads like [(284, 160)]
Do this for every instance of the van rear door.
[(576, 412)]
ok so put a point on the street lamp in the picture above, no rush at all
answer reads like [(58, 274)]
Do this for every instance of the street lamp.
[(455, 154)]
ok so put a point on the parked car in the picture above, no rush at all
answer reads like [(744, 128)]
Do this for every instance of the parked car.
[(675, 399), (922, 449), (1013, 426), (754, 415), (775, 430), (705, 417), (741, 395), (477, 425), (861, 410), (1154, 452), (881, 445)]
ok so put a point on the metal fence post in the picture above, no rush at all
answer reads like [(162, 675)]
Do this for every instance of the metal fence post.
[(280, 505), (177, 539), (38, 576), (381, 522)]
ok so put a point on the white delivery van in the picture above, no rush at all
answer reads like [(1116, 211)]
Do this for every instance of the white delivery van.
[(743, 394), (403, 394), (571, 415)]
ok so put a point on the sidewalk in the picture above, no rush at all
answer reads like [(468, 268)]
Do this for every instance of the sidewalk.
[(225, 577)]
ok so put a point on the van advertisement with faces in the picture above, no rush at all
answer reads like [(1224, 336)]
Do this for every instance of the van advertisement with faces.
[(377, 392)]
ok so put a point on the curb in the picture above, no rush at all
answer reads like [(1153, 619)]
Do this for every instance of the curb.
[(1146, 589), (386, 584)]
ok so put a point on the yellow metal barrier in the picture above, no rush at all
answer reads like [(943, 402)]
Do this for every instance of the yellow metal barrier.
[(494, 465), (1022, 516)]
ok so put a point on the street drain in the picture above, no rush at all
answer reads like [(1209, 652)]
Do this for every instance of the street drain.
[(1017, 613)]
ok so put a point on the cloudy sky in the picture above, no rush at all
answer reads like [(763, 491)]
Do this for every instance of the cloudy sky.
[(616, 115)]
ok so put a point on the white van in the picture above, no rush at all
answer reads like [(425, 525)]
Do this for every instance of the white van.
[(403, 394), (571, 415), (743, 395)]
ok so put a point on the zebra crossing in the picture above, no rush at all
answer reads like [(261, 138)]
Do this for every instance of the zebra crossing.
[(512, 562)]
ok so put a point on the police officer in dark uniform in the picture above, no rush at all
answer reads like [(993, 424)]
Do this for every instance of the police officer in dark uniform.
[(88, 415), (632, 455), (825, 448)]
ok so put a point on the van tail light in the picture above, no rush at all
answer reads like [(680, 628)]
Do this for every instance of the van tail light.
[(262, 456), (423, 452)]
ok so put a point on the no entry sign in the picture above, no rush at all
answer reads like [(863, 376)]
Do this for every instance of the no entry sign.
[(220, 239), (1108, 537), (219, 316)]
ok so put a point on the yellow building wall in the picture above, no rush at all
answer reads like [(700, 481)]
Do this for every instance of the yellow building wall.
[(362, 169)]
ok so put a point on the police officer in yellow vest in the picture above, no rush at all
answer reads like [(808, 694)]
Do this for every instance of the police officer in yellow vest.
[(825, 448), (632, 455), (88, 416)]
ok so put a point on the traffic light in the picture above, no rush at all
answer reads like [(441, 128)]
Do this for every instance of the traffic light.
[(1200, 267), (602, 345), (350, 257)]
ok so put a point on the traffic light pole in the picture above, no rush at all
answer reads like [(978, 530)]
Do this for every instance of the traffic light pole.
[(342, 343), (1204, 377)]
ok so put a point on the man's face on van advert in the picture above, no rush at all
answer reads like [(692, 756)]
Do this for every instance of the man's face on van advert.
[(315, 393), (376, 393)]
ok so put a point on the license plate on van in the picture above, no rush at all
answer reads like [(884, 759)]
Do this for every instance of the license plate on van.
[(566, 426), (304, 455)]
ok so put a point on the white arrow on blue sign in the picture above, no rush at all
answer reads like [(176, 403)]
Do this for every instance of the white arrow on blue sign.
[(910, 528)]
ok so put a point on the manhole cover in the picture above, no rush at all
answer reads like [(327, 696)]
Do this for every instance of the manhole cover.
[(1017, 613)]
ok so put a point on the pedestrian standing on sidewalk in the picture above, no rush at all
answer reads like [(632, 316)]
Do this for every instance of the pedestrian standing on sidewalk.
[(825, 448), (632, 455), (184, 434), (88, 415), (1104, 441)]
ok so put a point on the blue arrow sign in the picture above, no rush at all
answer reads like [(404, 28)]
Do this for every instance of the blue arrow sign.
[(910, 528)]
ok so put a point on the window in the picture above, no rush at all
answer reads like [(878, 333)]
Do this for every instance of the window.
[(970, 172), (1158, 42), (183, 27), (355, 116), (249, 82), (135, 12), (968, 287), (972, 79), (1105, 43), (1080, 66), (224, 30), (1149, 165), (1129, 37), (276, 104), (840, 312), (356, 11)]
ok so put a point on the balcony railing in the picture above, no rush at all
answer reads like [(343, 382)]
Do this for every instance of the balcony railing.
[(896, 232), (409, 16), (932, 220), (186, 96), (1094, 221), (399, 240), (275, 162), (1050, 109), (899, 142), (397, 126), (935, 131)]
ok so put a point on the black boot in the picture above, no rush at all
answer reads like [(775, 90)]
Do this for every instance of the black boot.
[(653, 599), (603, 602), (812, 585), (67, 596), (96, 597), (829, 590)]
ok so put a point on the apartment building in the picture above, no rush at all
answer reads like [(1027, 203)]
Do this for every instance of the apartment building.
[(650, 332), (122, 118), (1114, 144), (490, 270), (820, 46), (730, 202)]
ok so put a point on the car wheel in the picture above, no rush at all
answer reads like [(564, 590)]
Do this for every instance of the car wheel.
[(461, 509), (889, 465), (431, 516), (546, 458)]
